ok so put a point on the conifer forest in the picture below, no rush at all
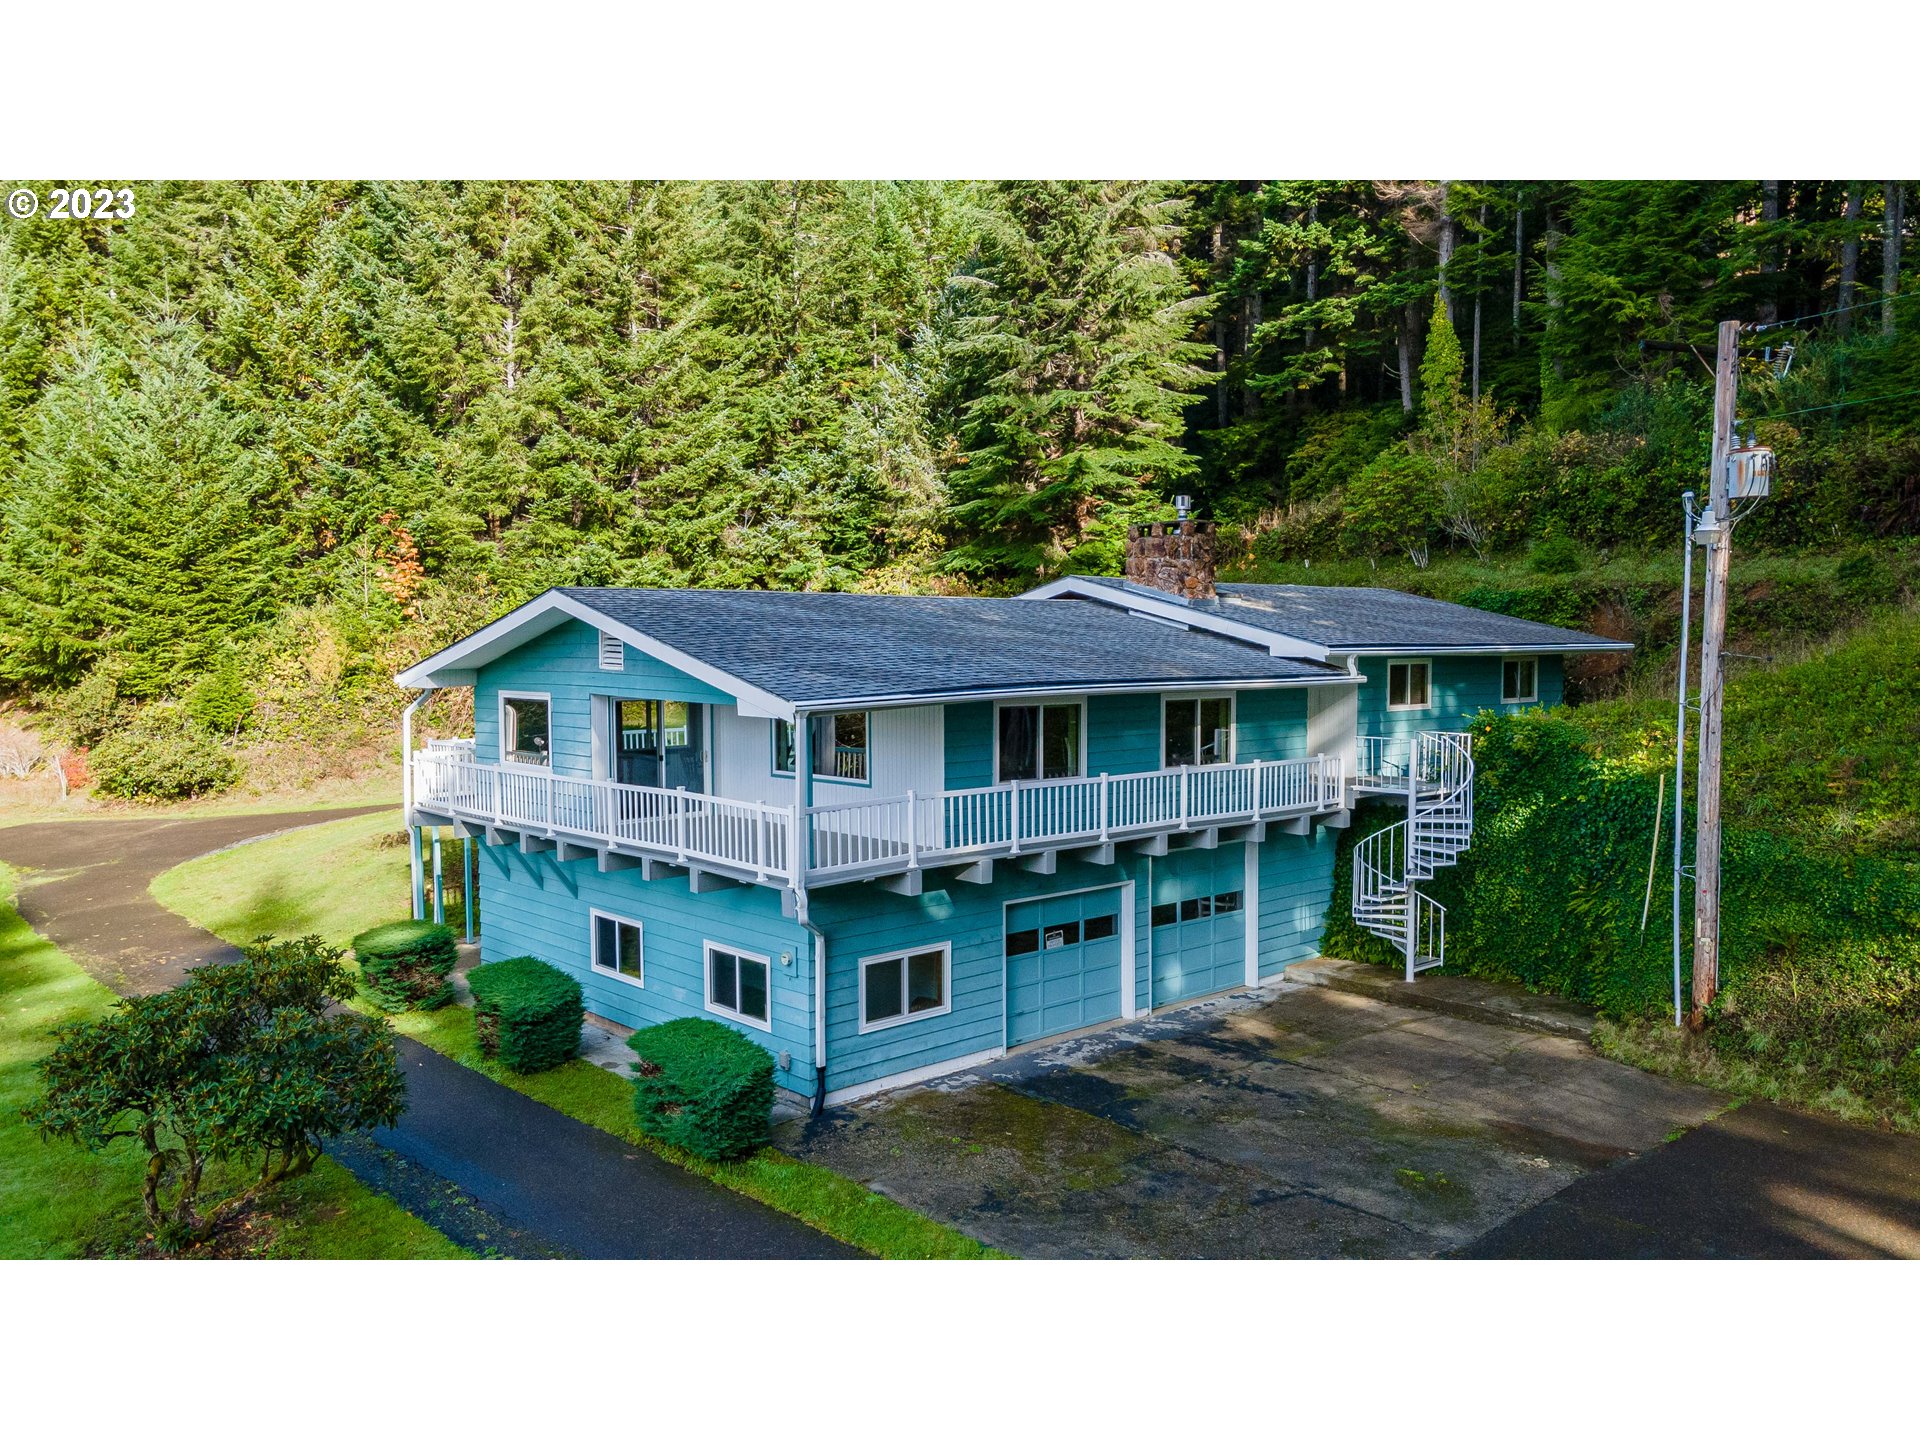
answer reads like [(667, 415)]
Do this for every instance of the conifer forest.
[(260, 440)]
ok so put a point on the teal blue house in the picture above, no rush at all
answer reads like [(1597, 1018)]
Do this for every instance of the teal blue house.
[(892, 836)]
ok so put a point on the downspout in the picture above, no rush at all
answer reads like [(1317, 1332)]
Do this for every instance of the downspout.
[(819, 1005), (801, 860)]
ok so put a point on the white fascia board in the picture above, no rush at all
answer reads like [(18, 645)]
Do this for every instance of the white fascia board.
[(1175, 612), (1416, 652), (544, 613), (1040, 692)]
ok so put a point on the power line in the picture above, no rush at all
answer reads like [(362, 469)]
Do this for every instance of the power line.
[(1838, 310), (1840, 404)]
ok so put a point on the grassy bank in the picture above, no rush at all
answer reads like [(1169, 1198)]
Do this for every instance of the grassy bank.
[(333, 880), (58, 1201), (338, 879)]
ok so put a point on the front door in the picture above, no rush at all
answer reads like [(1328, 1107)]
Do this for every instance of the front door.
[(1063, 964)]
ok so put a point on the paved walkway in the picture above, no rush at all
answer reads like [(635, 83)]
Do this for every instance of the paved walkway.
[(559, 1186)]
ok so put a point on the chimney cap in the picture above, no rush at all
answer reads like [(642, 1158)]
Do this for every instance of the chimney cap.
[(1183, 506)]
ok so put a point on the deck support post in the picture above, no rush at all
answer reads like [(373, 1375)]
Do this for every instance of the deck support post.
[(439, 883), (413, 866), (469, 874)]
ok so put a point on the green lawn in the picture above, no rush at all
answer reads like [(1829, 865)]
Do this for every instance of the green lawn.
[(336, 880), (58, 1201), (333, 880)]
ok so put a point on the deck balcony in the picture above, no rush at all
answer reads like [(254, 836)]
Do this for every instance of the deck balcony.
[(894, 839)]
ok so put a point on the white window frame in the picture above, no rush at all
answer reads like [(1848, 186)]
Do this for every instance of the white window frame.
[(945, 949), (1532, 695), (594, 917), (773, 748), (1232, 698), (1040, 739), (546, 698), (707, 947), (1426, 665)]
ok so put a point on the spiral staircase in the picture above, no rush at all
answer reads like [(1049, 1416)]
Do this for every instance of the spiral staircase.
[(1389, 864)]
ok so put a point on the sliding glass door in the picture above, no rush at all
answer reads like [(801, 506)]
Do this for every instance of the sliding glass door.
[(657, 742)]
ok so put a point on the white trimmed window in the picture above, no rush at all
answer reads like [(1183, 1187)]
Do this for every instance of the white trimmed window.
[(838, 743), (1198, 731), (905, 985), (526, 728), (1039, 742), (738, 986), (617, 947), (1519, 682), (1409, 685)]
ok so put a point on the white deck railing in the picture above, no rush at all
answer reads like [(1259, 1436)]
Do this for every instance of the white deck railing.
[(878, 836)]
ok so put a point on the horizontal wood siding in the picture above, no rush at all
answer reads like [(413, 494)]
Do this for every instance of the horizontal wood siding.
[(1123, 734), (1553, 679), (863, 921), (565, 663), (969, 745), (537, 906), (1270, 725), (1296, 889), (1462, 687)]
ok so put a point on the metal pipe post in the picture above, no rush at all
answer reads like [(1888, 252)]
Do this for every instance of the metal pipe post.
[(1680, 743)]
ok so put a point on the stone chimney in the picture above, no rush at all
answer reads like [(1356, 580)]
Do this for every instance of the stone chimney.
[(1175, 556)]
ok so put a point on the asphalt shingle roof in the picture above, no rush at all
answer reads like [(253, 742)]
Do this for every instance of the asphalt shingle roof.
[(809, 647), (1360, 617)]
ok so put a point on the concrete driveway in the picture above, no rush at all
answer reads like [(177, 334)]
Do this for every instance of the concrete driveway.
[(1310, 1122)]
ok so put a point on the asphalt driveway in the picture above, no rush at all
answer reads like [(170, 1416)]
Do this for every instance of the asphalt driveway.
[(484, 1164), (1305, 1123)]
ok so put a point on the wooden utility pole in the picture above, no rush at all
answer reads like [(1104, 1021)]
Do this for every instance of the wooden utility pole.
[(1706, 858)]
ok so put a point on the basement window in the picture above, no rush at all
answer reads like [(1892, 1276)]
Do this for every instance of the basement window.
[(1519, 682), (906, 985), (616, 947), (737, 986), (1409, 685)]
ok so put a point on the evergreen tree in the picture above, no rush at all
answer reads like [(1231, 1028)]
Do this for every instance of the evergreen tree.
[(1069, 372), (134, 524)]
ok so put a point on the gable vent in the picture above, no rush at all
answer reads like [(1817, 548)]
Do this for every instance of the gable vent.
[(613, 654)]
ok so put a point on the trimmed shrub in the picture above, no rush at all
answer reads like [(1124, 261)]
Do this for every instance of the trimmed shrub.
[(702, 1086), (527, 1013), (406, 964)]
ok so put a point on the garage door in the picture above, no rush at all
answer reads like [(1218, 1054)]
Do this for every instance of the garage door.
[(1063, 964), (1199, 930)]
